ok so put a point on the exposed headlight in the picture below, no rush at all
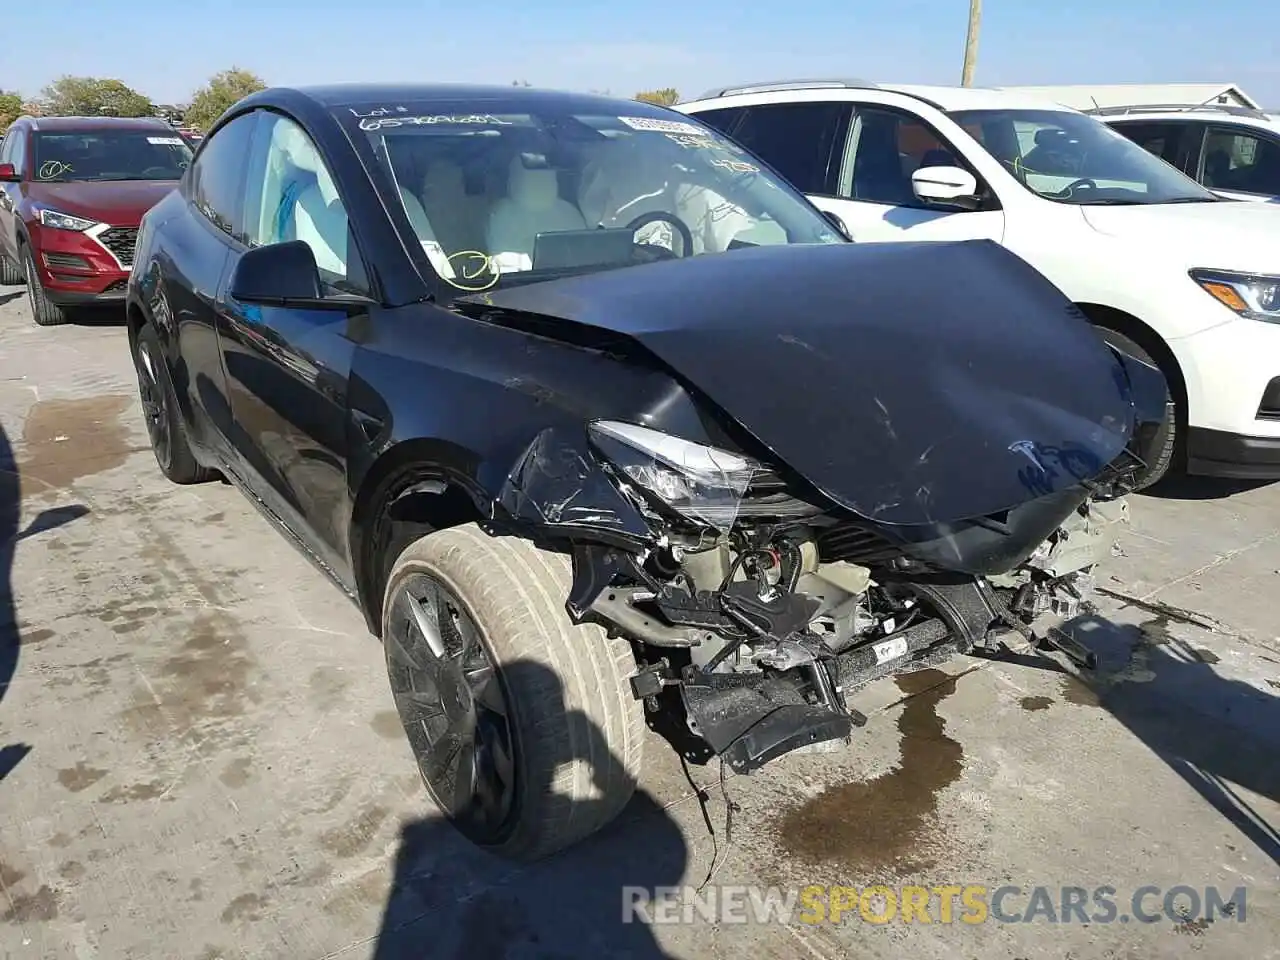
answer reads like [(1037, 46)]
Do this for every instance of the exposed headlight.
[(701, 483), (1252, 295), (63, 221)]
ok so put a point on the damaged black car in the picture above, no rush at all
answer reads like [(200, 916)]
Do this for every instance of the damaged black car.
[(604, 426)]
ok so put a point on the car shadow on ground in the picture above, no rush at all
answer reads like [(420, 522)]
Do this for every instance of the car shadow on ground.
[(1212, 731), (1188, 488), (451, 901), (10, 296), (10, 534)]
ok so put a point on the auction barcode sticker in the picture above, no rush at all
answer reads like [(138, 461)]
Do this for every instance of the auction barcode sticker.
[(662, 126), (165, 141)]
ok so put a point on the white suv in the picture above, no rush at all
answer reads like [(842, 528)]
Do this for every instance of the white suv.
[(1234, 151), (1167, 270)]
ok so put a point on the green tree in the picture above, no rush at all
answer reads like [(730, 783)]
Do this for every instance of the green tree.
[(223, 91), (94, 96), (663, 98), (10, 108)]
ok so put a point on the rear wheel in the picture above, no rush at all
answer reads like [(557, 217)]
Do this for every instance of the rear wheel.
[(1160, 450), (10, 273), (522, 723), (44, 311), (160, 408)]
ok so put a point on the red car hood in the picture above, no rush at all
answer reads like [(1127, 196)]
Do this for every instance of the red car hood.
[(120, 203)]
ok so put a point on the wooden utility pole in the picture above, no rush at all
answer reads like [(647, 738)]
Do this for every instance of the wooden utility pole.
[(971, 42)]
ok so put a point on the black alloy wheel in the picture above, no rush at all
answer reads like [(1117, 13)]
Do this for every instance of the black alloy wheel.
[(154, 399), (453, 708)]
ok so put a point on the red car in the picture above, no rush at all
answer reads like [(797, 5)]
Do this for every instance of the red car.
[(72, 192)]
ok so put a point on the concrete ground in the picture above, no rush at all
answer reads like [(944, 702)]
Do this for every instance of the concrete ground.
[(199, 758)]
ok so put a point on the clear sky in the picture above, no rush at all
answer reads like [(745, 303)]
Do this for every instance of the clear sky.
[(166, 49)]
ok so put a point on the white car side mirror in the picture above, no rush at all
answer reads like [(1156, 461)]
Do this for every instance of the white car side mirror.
[(943, 184)]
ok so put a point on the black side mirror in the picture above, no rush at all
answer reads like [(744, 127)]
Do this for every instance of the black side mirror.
[(285, 275), (836, 222)]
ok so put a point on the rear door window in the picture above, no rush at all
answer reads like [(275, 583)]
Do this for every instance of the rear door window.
[(802, 141)]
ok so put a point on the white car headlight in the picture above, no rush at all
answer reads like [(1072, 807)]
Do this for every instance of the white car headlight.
[(64, 221), (701, 483), (1253, 295)]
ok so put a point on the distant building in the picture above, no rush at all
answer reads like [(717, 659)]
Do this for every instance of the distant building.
[(1085, 96)]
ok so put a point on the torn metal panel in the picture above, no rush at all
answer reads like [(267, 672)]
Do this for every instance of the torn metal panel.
[(557, 485)]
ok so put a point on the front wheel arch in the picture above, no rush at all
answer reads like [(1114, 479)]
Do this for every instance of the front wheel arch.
[(412, 489), (1139, 333)]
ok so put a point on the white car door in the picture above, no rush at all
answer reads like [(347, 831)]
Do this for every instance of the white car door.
[(885, 145), (1241, 165)]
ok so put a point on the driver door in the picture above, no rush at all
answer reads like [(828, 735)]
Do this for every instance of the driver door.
[(874, 196), (288, 369)]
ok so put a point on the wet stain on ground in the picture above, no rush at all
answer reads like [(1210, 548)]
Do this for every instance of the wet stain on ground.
[(66, 440), (9, 876), (197, 889), (1033, 704), (80, 777), (387, 724), (883, 824), (1075, 690), (72, 870), (35, 907), (134, 793), (215, 517), (236, 773), (1206, 656), (247, 906), (1153, 633), (353, 836), (327, 687), (60, 840), (37, 636)]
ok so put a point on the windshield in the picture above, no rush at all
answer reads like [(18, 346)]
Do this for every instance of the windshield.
[(110, 155), (506, 194), (1073, 158)]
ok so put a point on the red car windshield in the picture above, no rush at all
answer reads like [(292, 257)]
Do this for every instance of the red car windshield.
[(110, 155)]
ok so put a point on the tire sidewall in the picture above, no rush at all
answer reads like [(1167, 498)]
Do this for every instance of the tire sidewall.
[(405, 567)]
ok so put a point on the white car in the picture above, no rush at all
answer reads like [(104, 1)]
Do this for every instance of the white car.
[(1234, 151), (1165, 268)]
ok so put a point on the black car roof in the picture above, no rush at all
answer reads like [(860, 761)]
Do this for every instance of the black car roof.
[(338, 95)]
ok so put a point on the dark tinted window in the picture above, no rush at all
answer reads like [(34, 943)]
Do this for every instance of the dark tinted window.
[(218, 174), (1163, 140), (1234, 160), (802, 141), (723, 119)]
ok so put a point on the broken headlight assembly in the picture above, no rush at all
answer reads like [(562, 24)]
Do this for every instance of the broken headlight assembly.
[(700, 483)]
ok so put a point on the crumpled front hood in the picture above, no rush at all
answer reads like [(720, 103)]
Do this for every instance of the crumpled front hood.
[(1231, 235), (908, 382)]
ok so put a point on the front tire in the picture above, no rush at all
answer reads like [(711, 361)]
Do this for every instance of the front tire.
[(160, 408), (1160, 453), (522, 723), (10, 274), (44, 311)]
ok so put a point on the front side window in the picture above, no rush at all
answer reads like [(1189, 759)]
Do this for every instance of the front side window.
[(215, 185), (887, 147), (291, 195), (498, 193), (1242, 162), (65, 156), (1072, 158)]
